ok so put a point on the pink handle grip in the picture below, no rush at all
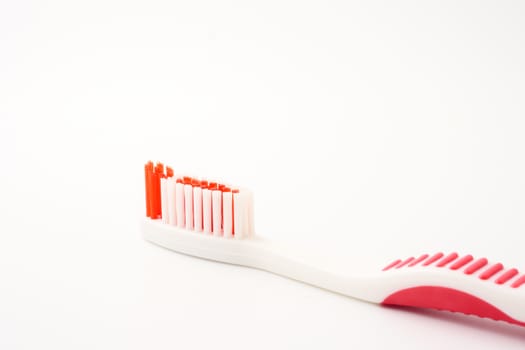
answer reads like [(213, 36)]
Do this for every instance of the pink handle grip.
[(444, 298)]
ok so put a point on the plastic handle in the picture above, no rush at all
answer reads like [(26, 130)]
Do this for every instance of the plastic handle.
[(459, 284), (444, 282)]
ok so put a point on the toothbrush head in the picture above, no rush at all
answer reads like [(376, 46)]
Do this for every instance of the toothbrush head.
[(199, 205)]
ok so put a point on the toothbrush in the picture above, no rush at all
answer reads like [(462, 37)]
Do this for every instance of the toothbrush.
[(213, 221)]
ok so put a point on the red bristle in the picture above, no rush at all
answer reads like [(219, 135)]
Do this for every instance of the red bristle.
[(169, 171), (156, 205), (151, 189), (151, 185), (159, 168), (186, 180), (226, 189), (147, 174), (195, 182), (204, 184)]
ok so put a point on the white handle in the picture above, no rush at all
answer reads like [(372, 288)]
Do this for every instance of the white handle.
[(459, 284)]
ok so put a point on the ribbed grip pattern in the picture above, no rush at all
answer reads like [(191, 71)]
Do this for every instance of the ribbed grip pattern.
[(467, 264)]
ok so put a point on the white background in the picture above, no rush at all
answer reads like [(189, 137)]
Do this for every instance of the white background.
[(374, 129)]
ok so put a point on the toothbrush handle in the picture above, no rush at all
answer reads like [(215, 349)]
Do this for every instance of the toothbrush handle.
[(453, 283), (458, 284), (443, 282)]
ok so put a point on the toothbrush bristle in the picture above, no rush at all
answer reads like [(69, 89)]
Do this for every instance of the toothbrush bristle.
[(196, 204), (148, 168), (154, 190)]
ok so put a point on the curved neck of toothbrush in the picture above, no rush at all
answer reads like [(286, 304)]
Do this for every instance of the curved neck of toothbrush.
[(215, 221)]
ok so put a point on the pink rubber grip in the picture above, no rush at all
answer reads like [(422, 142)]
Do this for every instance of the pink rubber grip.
[(445, 298)]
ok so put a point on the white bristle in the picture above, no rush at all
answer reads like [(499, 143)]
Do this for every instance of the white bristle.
[(197, 208), (179, 204), (164, 200), (172, 218), (216, 199), (212, 211), (206, 211), (238, 215), (227, 215), (249, 212), (188, 206), (246, 213)]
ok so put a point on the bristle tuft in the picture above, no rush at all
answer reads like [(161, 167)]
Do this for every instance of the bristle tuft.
[(198, 205)]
